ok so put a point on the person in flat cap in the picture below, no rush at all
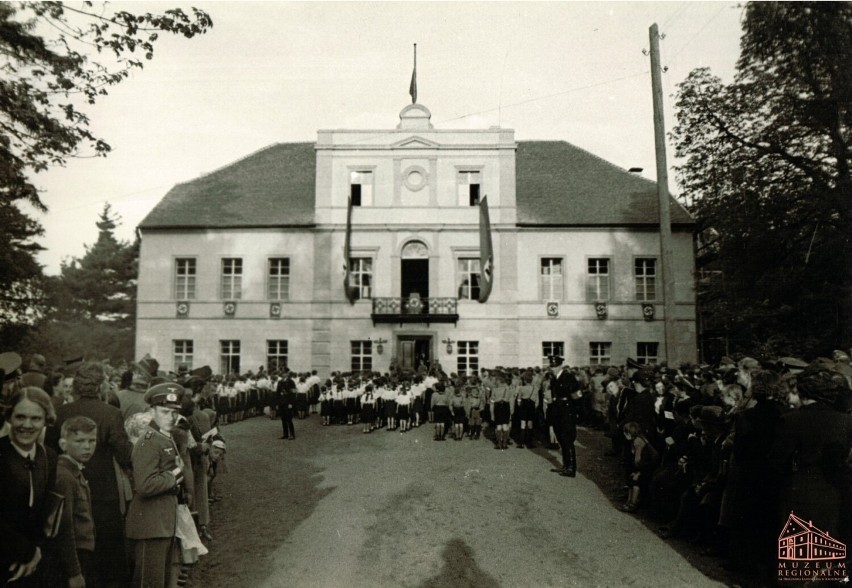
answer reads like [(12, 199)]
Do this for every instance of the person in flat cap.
[(159, 474)]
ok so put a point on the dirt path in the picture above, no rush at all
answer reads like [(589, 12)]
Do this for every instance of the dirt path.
[(340, 508)]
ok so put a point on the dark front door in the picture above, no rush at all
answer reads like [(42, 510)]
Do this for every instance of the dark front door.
[(414, 351)]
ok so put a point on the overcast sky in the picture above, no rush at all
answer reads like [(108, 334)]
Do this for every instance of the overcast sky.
[(272, 72)]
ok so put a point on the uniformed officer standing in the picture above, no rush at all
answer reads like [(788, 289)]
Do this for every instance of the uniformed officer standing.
[(158, 473), (565, 389)]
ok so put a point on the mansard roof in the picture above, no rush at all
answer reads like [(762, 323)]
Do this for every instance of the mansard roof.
[(557, 185)]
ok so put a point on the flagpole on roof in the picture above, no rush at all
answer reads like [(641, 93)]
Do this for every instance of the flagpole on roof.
[(412, 88)]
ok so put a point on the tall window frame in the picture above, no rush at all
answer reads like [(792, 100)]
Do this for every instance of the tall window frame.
[(361, 277), (185, 275), (182, 352), (361, 186), (467, 358), (647, 352), (229, 356), (645, 278), (550, 349), (551, 278), (278, 278), (361, 354), (468, 277), (231, 285), (600, 352), (598, 272), (277, 352), (469, 186)]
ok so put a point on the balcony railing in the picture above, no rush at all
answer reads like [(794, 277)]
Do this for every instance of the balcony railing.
[(413, 309)]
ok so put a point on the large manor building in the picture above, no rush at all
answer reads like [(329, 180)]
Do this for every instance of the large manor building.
[(246, 266)]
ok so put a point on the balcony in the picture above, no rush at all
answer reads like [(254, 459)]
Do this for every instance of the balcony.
[(413, 309)]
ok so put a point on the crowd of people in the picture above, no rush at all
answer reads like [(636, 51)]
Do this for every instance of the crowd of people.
[(719, 455), (107, 476)]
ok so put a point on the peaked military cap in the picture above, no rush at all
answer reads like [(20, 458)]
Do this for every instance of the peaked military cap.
[(167, 394)]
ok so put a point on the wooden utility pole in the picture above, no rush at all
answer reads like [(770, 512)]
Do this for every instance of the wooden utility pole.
[(673, 355)]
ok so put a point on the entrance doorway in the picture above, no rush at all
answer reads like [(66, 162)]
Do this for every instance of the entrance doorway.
[(414, 351)]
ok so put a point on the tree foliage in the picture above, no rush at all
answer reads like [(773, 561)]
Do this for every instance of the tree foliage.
[(766, 162), (55, 60)]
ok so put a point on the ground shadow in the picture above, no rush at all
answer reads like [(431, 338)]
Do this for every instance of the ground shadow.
[(460, 569)]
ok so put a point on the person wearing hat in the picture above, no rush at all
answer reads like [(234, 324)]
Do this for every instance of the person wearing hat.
[(159, 474), (817, 437), (36, 373), (564, 390), (112, 447)]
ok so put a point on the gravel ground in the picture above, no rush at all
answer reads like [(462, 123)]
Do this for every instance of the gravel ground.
[(337, 507)]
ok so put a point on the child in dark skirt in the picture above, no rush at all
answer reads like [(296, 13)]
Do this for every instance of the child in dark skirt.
[(368, 408), (326, 406)]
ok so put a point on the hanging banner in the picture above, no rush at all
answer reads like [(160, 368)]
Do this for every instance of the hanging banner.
[(486, 252), (347, 289)]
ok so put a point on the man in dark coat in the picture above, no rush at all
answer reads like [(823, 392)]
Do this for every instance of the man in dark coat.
[(286, 392), (113, 444), (565, 391)]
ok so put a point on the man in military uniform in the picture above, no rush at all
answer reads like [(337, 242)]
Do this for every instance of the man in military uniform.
[(565, 390), (158, 472)]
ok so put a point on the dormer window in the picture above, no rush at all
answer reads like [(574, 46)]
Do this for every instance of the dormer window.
[(468, 187), (361, 188)]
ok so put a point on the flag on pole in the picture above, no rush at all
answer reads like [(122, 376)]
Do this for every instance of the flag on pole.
[(412, 88), (347, 289), (486, 252)]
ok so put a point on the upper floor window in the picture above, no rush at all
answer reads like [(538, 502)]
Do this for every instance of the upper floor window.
[(550, 278), (185, 278), (361, 188), (468, 187), (232, 278), (361, 277), (278, 278), (600, 352), (468, 275), (646, 352), (597, 279), (645, 274)]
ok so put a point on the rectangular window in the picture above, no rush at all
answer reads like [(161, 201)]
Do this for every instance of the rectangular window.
[(467, 358), (232, 278), (550, 278), (597, 279), (361, 277), (361, 188), (468, 278), (278, 278), (550, 349), (185, 278), (645, 272), (182, 354), (276, 355), (362, 356), (468, 188), (229, 357), (647, 352), (600, 353)]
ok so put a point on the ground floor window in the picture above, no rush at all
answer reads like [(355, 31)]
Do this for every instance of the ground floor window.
[(362, 356), (229, 357), (600, 352), (467, 363), (182, 354), (276, 355), (647, 352), (551, 349)]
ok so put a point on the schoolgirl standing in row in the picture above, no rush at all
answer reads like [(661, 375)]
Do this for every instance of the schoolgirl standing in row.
[(440, 410), (403, 407), (368, 409), (326, 405)]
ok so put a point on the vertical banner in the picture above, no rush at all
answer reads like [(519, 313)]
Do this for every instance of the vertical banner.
[(486, 252), (347, 289), (412, 88)]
